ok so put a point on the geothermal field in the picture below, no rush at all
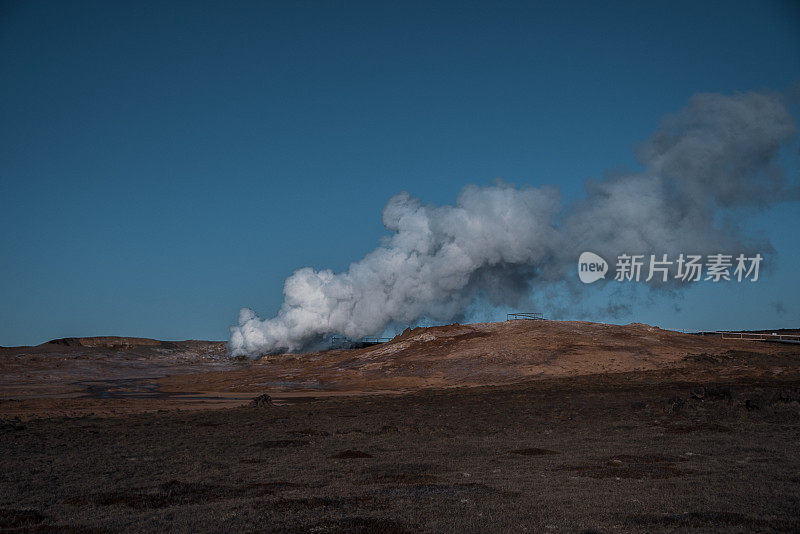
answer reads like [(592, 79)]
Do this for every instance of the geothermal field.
[(514, 426)]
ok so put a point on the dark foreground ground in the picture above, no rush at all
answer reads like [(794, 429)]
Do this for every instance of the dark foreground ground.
[(653, 451)]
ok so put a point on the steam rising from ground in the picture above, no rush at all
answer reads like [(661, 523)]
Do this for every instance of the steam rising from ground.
[(500, 242)]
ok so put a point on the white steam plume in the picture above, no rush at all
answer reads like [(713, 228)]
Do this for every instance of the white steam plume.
[(716, 154)]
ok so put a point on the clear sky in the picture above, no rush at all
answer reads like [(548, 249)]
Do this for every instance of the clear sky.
[(163, 164)]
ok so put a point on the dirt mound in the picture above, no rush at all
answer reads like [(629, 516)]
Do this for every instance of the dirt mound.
[(495, 353)]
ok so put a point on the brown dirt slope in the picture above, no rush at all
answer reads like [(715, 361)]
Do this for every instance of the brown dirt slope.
[(114, 378), (480, 354)]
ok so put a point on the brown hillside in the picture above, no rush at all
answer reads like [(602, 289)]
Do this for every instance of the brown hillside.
[(479, 354)]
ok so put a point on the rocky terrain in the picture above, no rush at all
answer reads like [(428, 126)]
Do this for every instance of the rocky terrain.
[(74, 371), (120, 375), (520, 426)]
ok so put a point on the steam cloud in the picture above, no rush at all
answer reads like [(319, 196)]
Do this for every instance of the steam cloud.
[(500, 242)]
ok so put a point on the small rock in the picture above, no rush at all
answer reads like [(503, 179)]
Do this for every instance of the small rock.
[(262, 401), (676, 404)]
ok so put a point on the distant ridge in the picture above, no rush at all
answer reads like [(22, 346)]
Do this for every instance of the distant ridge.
[(105, 342)]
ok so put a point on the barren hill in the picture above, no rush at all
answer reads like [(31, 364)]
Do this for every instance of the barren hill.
[(130, 374), (481, 354)]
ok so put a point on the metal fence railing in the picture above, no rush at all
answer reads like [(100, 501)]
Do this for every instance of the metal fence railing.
[(750, 336), (375, 339), (536, 316)]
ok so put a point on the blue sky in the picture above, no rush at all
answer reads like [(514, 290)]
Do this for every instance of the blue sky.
[(163, 164)]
